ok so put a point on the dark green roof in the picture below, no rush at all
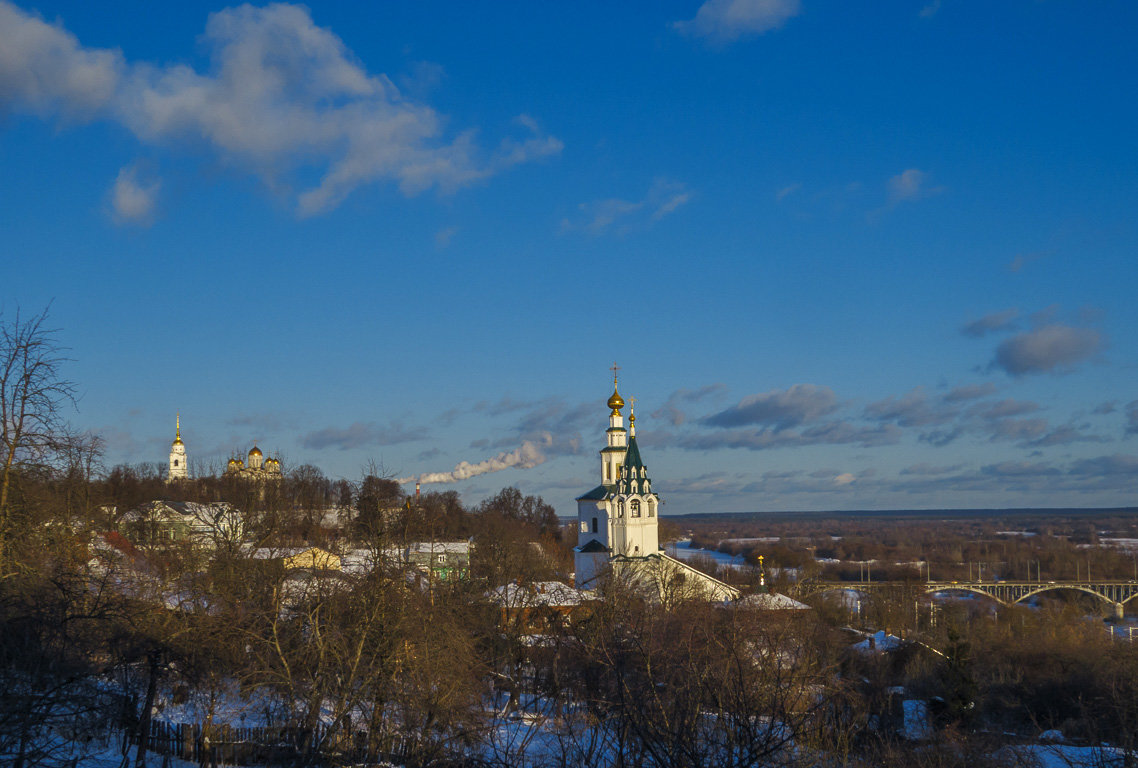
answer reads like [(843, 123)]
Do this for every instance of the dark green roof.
[(632, 469), (593, 546), (597, 494), (632, 458)]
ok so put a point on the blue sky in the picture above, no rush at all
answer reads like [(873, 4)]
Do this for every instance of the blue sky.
[(847, 256)]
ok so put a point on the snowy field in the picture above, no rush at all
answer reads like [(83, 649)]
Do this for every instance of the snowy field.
[(683, 550)]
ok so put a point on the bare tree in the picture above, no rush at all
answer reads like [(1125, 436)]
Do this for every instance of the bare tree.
[(33, 394)]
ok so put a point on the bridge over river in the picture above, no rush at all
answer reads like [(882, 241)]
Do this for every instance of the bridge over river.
[(1116, 593)]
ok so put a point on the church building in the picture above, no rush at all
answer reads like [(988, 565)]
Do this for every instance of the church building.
[(256, 467), (618, 522), (178, 468)]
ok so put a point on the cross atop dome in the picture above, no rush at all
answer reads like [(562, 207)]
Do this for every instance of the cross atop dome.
[(616, 402)]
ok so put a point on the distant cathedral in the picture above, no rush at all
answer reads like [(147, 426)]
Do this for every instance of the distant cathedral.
[(618, 521), (178, 468), (255, 467)]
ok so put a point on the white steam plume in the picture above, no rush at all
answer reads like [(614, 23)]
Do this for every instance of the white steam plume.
[(524, 457)]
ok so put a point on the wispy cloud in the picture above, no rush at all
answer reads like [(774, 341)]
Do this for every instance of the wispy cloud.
[(724, 21), (826, 433), (780, 409), (930, 10), (279, 93), (969, 392), (444, 236), (913, 409), (786, 191), (911, 184), (361, 434), (991, 323), (1021, 260), (672, 409), (664, 197)]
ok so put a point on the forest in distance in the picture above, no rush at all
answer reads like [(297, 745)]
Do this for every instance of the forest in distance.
[(1009, 545)]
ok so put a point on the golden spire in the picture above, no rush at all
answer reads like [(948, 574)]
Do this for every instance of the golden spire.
[(178, 429), (616, 402), (632, 416)]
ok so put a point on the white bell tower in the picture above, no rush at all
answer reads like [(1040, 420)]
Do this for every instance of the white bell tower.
[(178, 469)]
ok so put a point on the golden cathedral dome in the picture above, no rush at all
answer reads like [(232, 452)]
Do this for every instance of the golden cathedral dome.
[(616, 402), (255, 451)]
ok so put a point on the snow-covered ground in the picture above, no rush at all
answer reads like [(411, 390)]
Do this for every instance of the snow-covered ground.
[(1126, 545), (683, 550)]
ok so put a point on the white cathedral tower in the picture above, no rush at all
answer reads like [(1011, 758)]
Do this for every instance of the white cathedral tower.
[(617, 520), (178, 469)]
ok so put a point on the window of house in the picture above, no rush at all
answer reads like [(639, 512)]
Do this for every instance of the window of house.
[(636, 508)]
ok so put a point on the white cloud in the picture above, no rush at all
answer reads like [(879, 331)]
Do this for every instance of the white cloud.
[(789, 189), (444, 236), (133, 200), (779, 408), (663, 198), (991, 323), (44, 69), (911, 184), (1051, 348), (279, 94), (723, 21)]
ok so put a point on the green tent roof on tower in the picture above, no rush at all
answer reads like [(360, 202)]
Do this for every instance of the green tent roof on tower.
[(633, 471)]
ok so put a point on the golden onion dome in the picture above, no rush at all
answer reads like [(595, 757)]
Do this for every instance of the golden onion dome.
[(255, 451), (616, 402)]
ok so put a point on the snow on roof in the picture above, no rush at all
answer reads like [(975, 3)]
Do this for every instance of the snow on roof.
[(770, 601), (437, 547), (879, 642)]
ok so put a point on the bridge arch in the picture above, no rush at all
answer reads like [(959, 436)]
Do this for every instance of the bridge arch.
[(1066, 588), (937, 589)]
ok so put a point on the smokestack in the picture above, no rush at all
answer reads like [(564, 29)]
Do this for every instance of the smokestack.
[(416, 489)]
